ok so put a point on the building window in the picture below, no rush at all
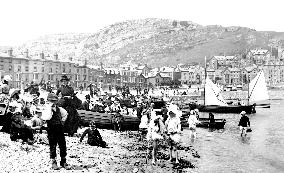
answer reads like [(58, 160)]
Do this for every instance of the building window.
[(35, 69), (1, 67), (19, 68), (27, 68), (42, 69)]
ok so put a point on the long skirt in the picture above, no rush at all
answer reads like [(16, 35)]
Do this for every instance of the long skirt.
[(72, 122)]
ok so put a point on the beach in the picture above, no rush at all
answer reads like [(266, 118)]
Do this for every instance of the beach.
[(125, 153)]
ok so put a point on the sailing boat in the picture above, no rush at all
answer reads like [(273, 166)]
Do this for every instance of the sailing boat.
[(214, 102), (258, 91)]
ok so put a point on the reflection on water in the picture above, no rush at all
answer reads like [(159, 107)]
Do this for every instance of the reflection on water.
[(226, 151)]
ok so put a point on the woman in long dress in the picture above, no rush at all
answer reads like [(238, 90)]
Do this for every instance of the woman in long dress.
[(69, 102)]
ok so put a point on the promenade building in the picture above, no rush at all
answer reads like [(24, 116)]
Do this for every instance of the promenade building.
[(222, 62), (192, 75), (223, 70)]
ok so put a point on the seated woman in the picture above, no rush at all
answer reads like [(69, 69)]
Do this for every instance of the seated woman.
[(94, 136), (19, 130)]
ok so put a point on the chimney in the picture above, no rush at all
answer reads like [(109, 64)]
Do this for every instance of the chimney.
[(26, 53), (10, 52), (56, 56), (41, 55)]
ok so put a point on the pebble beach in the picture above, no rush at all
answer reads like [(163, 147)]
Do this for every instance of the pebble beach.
[(125, 153)]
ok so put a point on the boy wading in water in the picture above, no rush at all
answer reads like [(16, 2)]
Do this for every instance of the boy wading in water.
[(244, 123), (55, 117)]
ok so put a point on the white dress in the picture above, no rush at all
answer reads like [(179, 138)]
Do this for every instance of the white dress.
[(192, 121), (153, 132), (144, 122), (174, 127)]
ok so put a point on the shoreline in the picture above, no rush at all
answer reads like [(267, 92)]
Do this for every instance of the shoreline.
[(125, 153)]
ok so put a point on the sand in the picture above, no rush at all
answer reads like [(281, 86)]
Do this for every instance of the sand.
[(125, 153)]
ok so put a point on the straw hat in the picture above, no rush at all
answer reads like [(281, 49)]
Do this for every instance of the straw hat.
[(192, 112), (13, 91), (243, 113), (196, 111), (172, 108), (7, 78)]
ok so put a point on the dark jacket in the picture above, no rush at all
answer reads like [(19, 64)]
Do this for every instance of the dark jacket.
[(65, 90), (56, 118), (244, 121), (94, 137)]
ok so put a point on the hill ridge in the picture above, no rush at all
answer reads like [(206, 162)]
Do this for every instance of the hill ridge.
[(154, 41)]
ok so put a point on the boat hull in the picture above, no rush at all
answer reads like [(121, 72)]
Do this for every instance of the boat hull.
[(249, 109), (263, 105), (107, 121)]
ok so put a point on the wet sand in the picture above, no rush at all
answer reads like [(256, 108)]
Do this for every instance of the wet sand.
[(125, 153)]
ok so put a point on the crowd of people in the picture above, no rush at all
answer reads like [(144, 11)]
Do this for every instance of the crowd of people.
[(29, 114)]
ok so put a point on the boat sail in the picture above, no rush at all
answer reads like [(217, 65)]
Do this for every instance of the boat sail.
[(258, 89), (213, 94), (214, 102)]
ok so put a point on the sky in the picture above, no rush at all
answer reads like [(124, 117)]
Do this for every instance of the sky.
[(24, 20)]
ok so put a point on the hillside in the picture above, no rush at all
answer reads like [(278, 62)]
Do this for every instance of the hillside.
[(154, 41)]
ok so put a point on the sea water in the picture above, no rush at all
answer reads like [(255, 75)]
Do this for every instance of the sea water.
[(262, 150)]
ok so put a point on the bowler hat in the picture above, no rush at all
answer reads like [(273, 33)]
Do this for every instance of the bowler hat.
[(64, 78), (52, 97), (14, 91)]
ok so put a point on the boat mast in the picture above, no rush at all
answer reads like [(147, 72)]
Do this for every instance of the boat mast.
[(205, 66), (248, 89)]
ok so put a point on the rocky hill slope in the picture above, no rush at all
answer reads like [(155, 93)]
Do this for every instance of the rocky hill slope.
[(154, 41)]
